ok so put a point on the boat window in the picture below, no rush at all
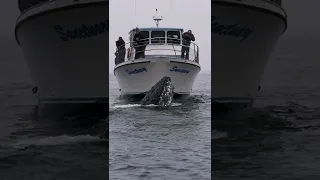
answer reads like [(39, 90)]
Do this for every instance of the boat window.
[(145, 34), (173, 37), (156, 34)]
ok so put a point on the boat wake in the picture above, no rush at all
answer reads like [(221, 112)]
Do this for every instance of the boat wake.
[(124, 106)]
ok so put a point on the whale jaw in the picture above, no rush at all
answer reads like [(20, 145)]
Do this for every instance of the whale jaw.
[(160, 94)]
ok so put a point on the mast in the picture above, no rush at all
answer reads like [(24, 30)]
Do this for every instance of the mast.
[(157, 18)]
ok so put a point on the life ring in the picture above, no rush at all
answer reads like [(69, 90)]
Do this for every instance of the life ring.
[(128, 53)]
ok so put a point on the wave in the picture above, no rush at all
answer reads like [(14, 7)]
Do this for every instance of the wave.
[(123, 106), (57, 140)]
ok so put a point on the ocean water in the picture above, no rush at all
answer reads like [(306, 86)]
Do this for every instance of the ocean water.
[(37, 144), (34, 147), (279, 137), (151, 143)]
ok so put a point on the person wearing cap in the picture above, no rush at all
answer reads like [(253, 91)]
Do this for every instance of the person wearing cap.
[(187, 37)]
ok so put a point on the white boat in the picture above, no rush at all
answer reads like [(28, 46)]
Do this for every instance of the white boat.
[(162, 58), (244, 34), (65, 44)]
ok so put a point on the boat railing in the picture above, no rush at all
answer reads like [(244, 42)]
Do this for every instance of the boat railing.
[(274, 2), (164, 47), (25, 5)]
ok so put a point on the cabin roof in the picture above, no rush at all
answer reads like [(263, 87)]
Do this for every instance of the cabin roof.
[(156, 28)]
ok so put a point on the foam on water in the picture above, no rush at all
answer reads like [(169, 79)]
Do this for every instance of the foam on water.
[(123, 106)]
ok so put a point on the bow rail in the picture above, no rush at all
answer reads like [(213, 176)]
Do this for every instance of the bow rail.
[(159, 47)]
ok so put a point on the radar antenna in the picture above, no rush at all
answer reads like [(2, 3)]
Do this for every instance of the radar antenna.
[(157, 18)]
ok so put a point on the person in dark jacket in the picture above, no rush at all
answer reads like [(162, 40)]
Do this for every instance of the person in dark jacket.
[(140, 44), (187, 37), (121, 50)]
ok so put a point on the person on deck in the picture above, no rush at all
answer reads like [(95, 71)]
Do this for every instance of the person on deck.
[(187, 37), (121, 50), (140, 44)]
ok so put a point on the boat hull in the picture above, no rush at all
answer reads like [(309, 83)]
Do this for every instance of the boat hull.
[(138, 77), (244, 34), (65, 44)]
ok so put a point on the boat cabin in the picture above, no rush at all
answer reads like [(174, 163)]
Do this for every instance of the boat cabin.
[(159, 35), (159, 42)]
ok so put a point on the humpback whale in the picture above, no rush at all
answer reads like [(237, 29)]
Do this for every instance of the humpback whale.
[(160, 94)]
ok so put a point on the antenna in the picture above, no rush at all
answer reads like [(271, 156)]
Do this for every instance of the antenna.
[(135, 7), (157, 18)]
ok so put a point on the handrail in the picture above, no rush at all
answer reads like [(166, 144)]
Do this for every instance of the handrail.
[(166, 40), (193, 50), (32, 4), (273, 2)]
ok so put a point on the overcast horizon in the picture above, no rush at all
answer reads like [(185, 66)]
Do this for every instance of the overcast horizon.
[(300, 26)]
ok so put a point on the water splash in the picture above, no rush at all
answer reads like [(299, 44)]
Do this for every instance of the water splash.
[(123, 106)]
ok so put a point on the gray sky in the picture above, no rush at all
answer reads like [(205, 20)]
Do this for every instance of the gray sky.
[(301, 13), (301, 16), (186, 14)]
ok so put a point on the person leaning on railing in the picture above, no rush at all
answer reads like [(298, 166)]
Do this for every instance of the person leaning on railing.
[(139, 44), (187, 37), (121, 51)]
